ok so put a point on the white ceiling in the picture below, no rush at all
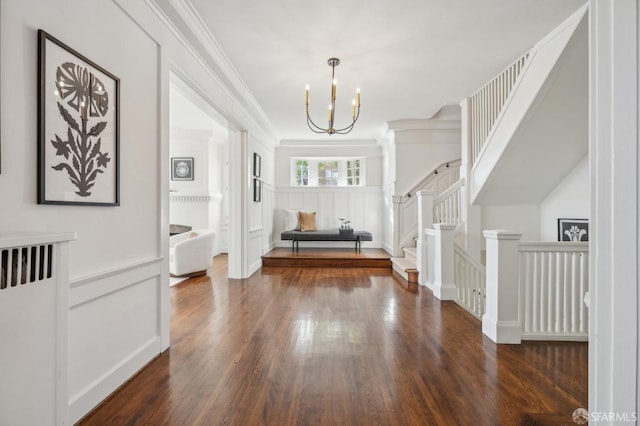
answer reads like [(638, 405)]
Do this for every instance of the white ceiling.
[(409, 57)]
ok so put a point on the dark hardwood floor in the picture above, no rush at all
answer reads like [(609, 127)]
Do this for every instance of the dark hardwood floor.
[(292, 346)]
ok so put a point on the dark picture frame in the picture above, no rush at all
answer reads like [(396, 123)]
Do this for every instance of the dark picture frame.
[(78, 128), (257, 190), (573, 229), (257, 164), (182, 168)]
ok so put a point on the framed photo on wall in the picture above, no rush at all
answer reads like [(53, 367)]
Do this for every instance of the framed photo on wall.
[(257, 165), (182, 168), (573, 229), (257, 190), (78, 128)]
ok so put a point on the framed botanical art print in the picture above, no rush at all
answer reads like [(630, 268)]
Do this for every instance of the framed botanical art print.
[(78, 128), (182, 168), (573, 230)]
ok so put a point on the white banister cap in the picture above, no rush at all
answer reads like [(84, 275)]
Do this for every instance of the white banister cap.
[(501, 234)]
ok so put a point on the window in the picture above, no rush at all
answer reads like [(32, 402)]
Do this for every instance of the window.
[(327, 172), (302, 172), (353, 172)]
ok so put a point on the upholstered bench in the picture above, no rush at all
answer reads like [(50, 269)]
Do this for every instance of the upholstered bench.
[(326, 235)]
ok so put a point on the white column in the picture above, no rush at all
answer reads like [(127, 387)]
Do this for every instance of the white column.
[(425, 220), (444, 286), (395, 229), (614, 328), (239, 192), (500, 322), (471, 215)]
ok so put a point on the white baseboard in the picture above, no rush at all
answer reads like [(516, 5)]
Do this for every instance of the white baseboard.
[(83, 402), (501, 331), (101, 292), (255, 266), (269, 247), (445, 291), (386, 247)]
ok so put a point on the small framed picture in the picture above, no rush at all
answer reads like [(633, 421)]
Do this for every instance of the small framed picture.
[(181, 168), (257, 165), (573, 229), (257, 190)]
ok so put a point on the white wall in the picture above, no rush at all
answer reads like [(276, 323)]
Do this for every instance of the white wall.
[(116, 318), (569, 200), (539, 222), (260, 212), (362, 205), (419, 152), (523, 218), (197, 145), (119, 298)]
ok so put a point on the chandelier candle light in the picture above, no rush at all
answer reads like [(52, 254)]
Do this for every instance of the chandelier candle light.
[(355, 113)]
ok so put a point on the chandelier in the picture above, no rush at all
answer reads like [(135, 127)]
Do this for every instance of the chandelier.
[(355, 106)]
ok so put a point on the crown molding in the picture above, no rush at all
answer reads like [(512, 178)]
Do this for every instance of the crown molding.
[(214, 61), (424, 124)]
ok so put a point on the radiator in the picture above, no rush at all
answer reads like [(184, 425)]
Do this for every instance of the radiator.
[(34, 288)]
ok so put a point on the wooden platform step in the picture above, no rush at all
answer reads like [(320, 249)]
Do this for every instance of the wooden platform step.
[(327, 258)]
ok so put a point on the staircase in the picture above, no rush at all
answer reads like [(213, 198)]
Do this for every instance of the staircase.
[(446, 208), (439, 181), (532, 117), (409, 261)]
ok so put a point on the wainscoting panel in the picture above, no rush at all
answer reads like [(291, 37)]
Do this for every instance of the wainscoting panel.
[(297, 200), (341, 208), (268, 213), (114, 324), (360, 212), (363, 206), (255, 249), (326, 217)]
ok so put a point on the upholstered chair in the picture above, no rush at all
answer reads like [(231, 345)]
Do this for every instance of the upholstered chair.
[(191, 253)]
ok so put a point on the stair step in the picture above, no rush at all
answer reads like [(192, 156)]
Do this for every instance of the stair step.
[(401, 264), (410, 252)]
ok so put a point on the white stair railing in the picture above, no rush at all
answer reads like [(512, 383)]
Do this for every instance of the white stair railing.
[(470, 279), (447, 207), (487, 103), (535, 290), (553, 279), (405, 206)]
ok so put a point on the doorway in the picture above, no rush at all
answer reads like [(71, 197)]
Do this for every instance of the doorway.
[(199, 164)]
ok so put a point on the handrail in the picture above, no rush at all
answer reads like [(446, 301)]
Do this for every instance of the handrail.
[(486, 104), (468, 259), (447, 192), (553, 246), (442, 167), (447, 207)]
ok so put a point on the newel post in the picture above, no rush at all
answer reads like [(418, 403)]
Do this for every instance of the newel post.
[(500, 322), (425, 220), (444, 286)]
